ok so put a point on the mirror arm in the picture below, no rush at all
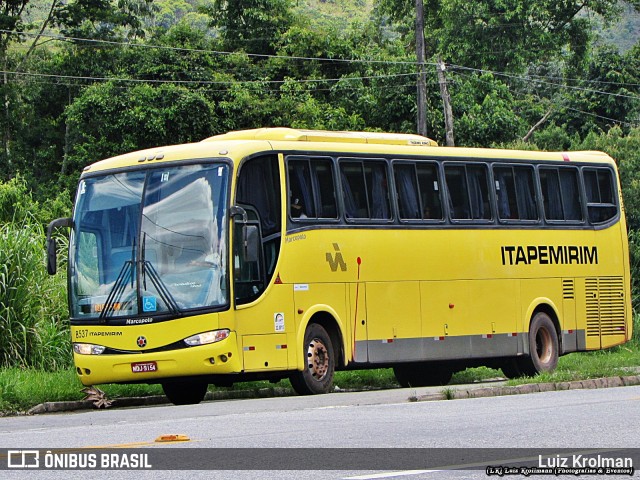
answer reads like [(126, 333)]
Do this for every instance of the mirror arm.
[(236, 211), (58, 223)]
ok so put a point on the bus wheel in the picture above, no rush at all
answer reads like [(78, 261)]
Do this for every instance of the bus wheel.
[(422, 374), (543, 347), (185, 393), (317, 376)]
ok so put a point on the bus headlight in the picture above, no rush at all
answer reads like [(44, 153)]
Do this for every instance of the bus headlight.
[(88, 349), (207, 337)]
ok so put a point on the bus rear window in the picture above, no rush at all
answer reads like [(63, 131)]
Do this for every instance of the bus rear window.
[(601, 198)]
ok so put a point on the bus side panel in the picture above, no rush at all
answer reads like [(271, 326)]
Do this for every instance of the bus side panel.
[(271, 317), (492, 317), (394, 327), (443, 328), (475, 318), (603, 309), (312, 299), (265, 352)]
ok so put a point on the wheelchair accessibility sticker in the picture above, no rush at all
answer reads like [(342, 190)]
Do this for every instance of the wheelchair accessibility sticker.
[(149, 304)]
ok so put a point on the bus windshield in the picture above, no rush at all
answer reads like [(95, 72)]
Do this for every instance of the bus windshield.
[(149, 242)]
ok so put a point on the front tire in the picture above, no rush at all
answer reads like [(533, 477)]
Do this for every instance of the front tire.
[(185, 393), (320, 363), (543, 347)]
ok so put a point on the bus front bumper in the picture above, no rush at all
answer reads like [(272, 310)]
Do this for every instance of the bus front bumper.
[(213, 359)]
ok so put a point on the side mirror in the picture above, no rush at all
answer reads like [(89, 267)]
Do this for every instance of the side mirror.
[(251, 243), (52, 245), (52, 256)]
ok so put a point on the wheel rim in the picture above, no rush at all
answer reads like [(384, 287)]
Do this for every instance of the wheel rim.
[(317, 359), (544, 345)]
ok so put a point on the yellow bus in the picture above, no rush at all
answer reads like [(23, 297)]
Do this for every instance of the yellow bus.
[(280, 253)]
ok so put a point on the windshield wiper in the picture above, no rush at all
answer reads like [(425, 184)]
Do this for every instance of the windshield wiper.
[(162, 289), (119, 285), (118, 288)]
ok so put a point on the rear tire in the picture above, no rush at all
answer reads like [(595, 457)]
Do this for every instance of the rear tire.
[(543, 347), (185, 393), (422, 374), (320, 363)]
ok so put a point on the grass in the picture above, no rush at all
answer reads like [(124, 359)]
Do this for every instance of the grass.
[(618, 361), (21, 389)]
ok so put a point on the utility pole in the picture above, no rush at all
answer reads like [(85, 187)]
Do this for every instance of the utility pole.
[(446, 102), (422, 72)]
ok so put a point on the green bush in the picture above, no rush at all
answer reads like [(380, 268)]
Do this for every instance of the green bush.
[(33, 332), (18, 206)]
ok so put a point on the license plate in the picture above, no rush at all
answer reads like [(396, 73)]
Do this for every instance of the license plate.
[(143, 367)]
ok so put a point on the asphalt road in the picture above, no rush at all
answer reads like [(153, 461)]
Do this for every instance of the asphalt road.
[(367, 424)]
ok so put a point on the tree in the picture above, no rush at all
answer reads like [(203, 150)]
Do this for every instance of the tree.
[(484, 112), (505, 35), (103, 18), (253, 26), (107, 120), (11, 25)]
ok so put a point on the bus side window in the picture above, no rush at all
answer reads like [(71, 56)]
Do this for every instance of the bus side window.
[(301, 204), (353, 190), (325, 187), (515, 193), (408, 194), (560, 193), (365, 189), (311, 188), (457, 192), (259, 186), (429, 181), (601, 198), (418, 189), (468, 192), (378, 190)]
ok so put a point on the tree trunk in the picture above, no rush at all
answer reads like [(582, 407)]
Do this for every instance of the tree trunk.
[(446, 102), (535, 127), (422, 72), (6, 134)]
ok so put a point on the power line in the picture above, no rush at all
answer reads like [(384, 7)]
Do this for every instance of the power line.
[(212, 52), (530, 79), (621, 122), (320, 59), (200, 82)]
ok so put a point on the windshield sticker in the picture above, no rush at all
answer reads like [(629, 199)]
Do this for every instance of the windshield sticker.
[(164, 177), (278, 322), (149, 304)]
